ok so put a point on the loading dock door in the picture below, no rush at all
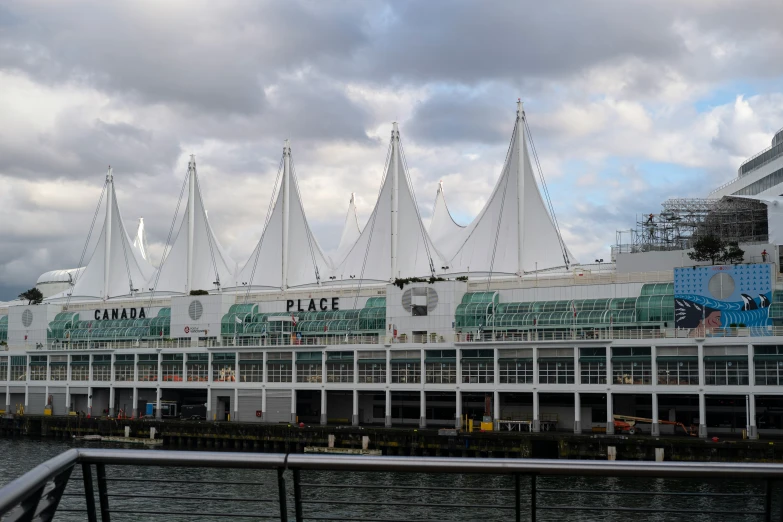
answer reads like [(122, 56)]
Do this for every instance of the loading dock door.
[(278, 406)]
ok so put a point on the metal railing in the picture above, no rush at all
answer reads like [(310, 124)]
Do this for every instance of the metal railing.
[(608, 334), (168, 485)]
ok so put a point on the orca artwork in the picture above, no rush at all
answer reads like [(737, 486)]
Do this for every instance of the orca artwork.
[(120, 313)]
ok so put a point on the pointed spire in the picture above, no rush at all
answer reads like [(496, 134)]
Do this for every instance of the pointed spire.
[(444, 231), (351, 231), (286, 210)]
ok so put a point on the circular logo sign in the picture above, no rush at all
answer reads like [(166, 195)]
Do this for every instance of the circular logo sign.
[(195, 310), (187, 329), (27, 318)]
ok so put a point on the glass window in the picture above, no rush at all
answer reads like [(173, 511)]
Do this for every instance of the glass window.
[(80, 367), (101, 372), (593, 372), (635, 372), (678, 373), (308, 372), (516, 372), (374, 372), (198, 371), (279, 371), (18, 368), (478, 372), (339, 371), (726, 373), (58, 372), (556, 372), (123, 372), (223, 372), (251, 371), (441, 372), (768, 373), (3, 368), (406, 372), (38, 367), (172, 371)]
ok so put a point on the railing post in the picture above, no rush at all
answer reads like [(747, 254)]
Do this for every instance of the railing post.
[(298, 496), (281, 495), (768, 502), (89, 494), (103, 496)]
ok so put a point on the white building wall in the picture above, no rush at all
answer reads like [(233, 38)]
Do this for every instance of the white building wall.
[(27, 324), (187, 322)]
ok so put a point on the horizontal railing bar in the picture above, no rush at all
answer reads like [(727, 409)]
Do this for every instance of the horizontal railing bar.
[(66, 510), (210, 482), (646, 510), (422, 488), (18, 490), (667, 493), (180, 497), (412, 504), (196, 515), (378, 519), (542, 467)]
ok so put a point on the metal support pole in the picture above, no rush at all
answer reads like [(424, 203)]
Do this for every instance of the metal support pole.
[(281, 495), (298, 496), (656, 427), (89, 494), (103, 496), (533, 498)]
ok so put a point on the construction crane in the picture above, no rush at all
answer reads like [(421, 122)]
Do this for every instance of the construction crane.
[(628, 424)]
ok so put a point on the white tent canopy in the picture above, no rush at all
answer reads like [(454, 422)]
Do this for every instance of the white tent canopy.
[(514, 233), (196, 260), (115, 266), (287, 255), (351, 231), (394, 242), (140, 241), (443, 230)]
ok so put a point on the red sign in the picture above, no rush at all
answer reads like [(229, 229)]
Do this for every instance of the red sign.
[(258, 413), (187, 329)]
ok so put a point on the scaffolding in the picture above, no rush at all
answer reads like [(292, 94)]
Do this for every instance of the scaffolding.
[(683, 220)]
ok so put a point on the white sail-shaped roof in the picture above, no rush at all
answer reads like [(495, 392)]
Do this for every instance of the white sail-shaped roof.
[(115, 266), (287, 255), (351, 231), (140, 240), (373, 256), (444, 231), (515, 213), (203, 258)]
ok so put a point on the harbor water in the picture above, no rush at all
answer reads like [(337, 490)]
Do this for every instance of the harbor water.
[(151, 493)]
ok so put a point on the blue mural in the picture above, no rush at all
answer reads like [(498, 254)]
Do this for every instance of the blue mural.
[(721, 296)]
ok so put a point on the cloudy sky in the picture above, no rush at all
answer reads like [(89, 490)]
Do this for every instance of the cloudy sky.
[(629, 103)]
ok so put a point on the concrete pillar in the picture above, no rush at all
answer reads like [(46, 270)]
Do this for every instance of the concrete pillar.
[(423, 409), (535, 366), (496, 406), (356, 367), (496, 376), (535, 427), (458, 412), (654, 369), (263, 401), (159, 394), (323, 406), (293, 405), (388, 368), (209, 404), (702, 407), (67, 399), (752, 430), (656, 427), (111, 400), (89, 400), (135, 405), (27, 395), (577, 413), (323, 367), (700, 352), (235, 415), (355, 416), (387, 412), (609, 414), (751, 370), (265, 373)]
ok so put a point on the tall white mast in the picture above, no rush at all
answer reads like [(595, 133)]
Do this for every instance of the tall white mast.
[(286, 208), (521, 154), (395, 164), (191, 219), (107, 228)]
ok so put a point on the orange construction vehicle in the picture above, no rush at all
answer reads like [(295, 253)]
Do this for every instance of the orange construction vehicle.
[(626, 423)]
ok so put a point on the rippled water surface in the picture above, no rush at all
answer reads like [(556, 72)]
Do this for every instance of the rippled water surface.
[(140, 493)]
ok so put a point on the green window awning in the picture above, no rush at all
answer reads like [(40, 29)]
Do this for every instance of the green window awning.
[(677, 358), (272, 361), (593, 358), (477, 359), (632, 358), (372, 361), (518, 360), (768, 357), (440, 360), (406, 361), (555, 359), (722, 358), (198, 357)]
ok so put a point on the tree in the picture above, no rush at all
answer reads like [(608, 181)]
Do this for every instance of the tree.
[(199, 292), (733, 254), (707, 248), (33, 296)]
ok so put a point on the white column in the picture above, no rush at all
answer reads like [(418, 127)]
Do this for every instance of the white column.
[(388, 366), (89, 401), (286, 208), (355, 367), (702, 416), (521, 153), (496, 407), (496, 363), (458, 412), (107, 235), (293, 405), (210, 416), (265, 377), (263, 404), (235, 415), (191, 220), (577, 413), (700, 352), (111, 399), (8, 397), (67, 399), (135, 405), (160, 369), (535, 427), (112, 362), (656, 427), (609, 413), (458, 362), (423, 409), (752, 429), (135, 368), (323, 406), (27, 394), (355, 417), (387, 411), (159, 393), (67, 368), (395, 202), (751, 367), (654, 367), (535, 366)]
